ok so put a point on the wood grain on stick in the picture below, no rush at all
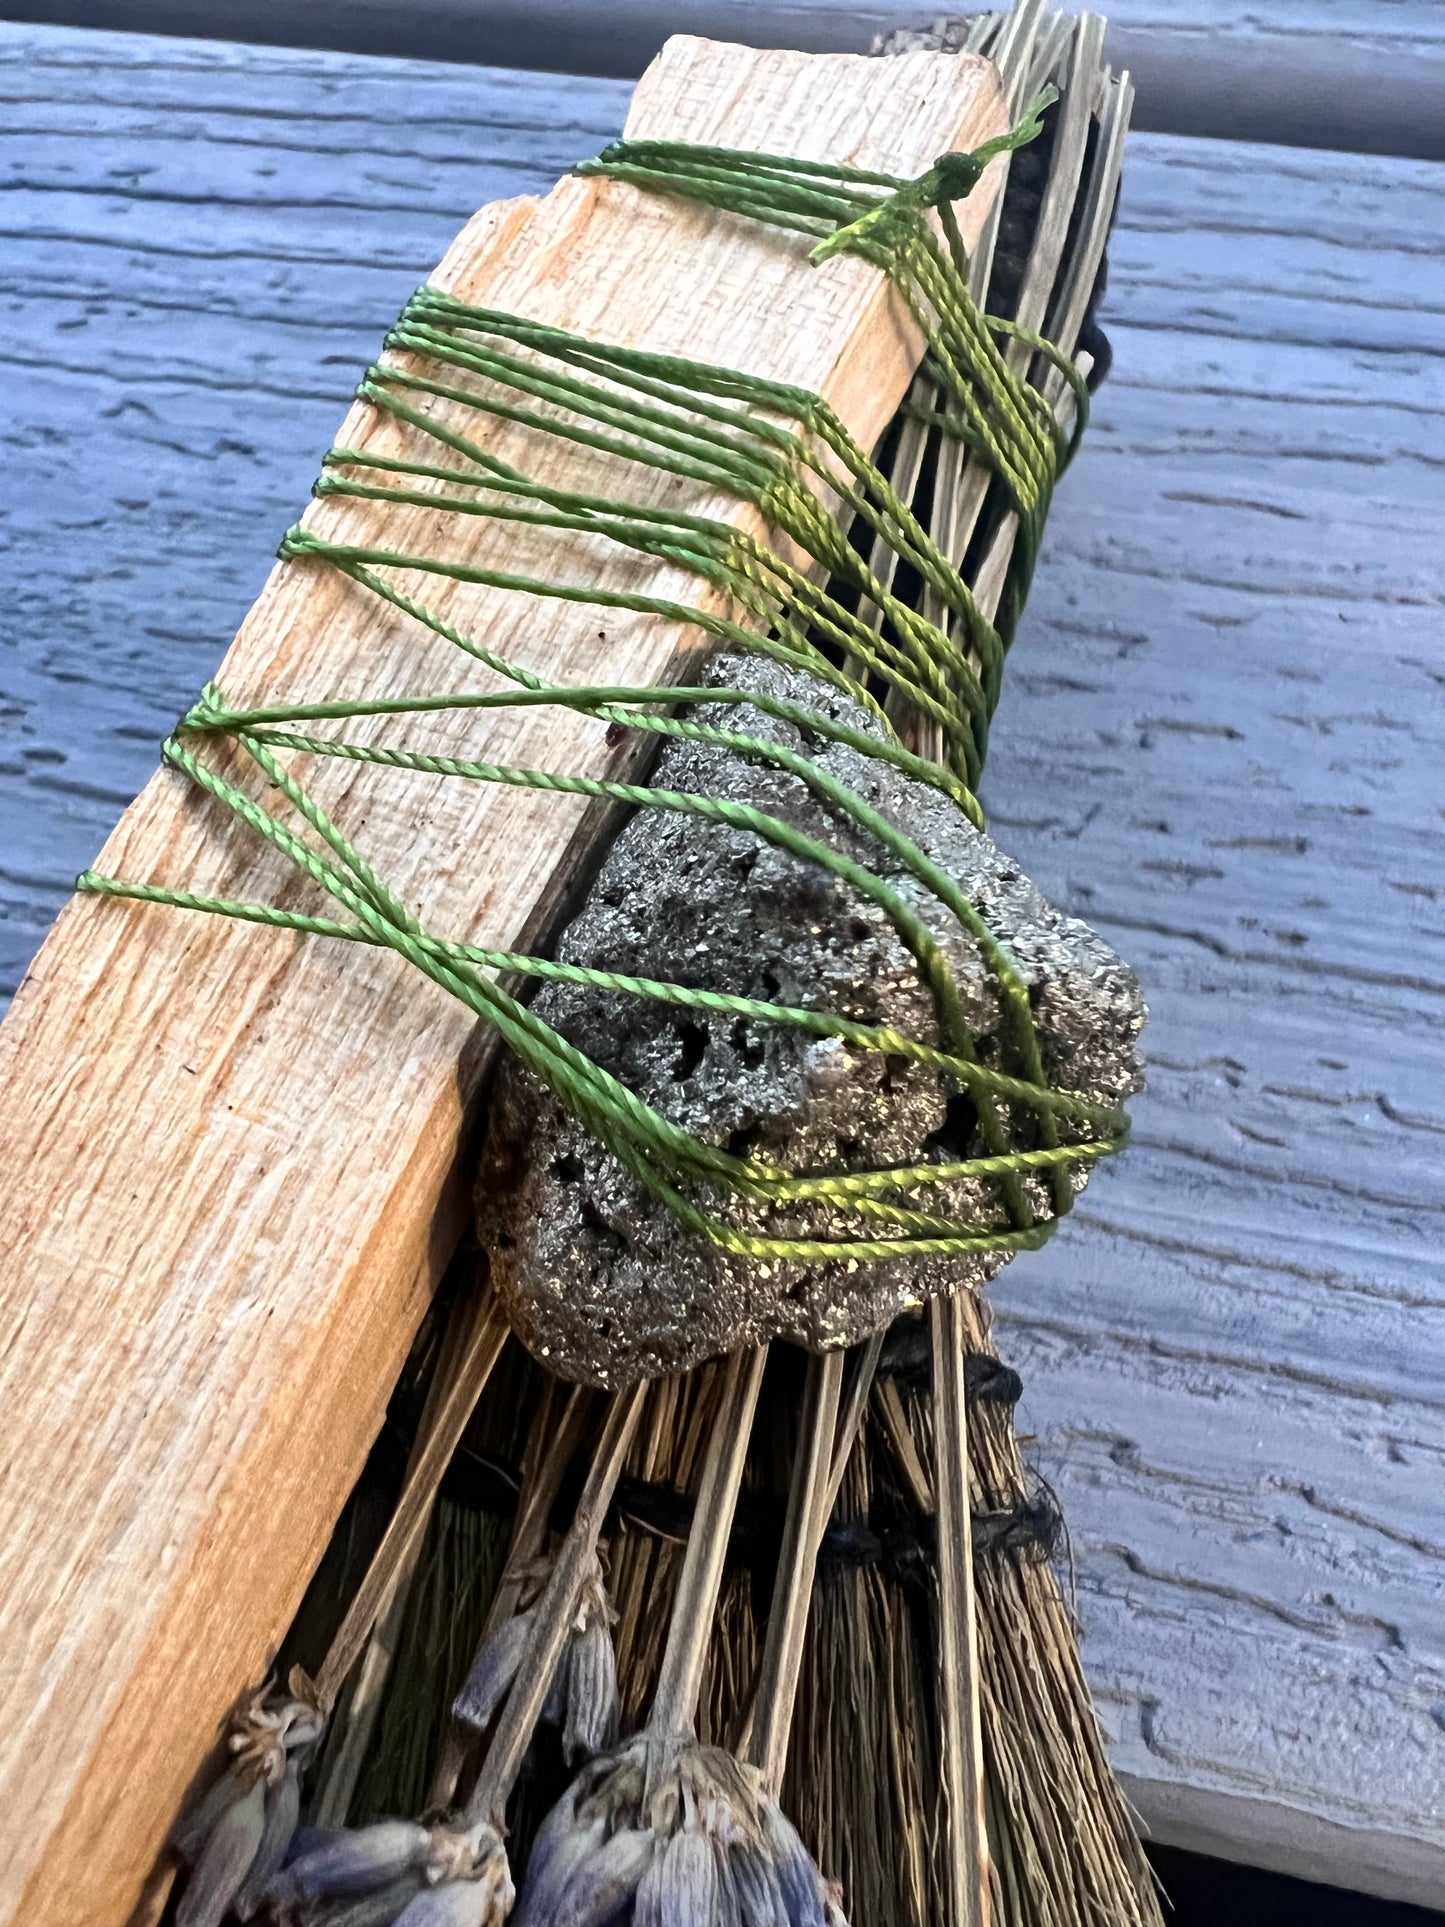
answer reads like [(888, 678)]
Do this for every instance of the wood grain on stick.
[(227, 1149)]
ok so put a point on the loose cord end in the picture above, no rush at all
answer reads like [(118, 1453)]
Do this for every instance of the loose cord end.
[(951, 178)]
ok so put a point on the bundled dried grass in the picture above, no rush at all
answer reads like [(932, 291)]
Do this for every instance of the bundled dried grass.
[(864, 1780), (1062, 1849), (442, 1627)]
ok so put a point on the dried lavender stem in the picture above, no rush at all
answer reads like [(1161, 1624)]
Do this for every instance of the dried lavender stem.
[(674, 1705), (413, 1509), (549, 1452), (542, 1479), (351, 1731), (851, 1418), (899, 1434), (554, 1613), (810, 1501), (355, 1719), (967, 1882), (850, 1421)]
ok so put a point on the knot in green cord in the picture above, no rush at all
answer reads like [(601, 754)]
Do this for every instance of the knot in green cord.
[(207, 713), (952, 177), (884, 229)]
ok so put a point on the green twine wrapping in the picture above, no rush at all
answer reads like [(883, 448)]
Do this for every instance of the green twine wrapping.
[(778, 448)]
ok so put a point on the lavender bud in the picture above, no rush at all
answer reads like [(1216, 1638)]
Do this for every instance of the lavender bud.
[(613, 1785), (283, 1809), (725, 1793), (462, 1903), (263, 1732), (557, 1858), (353, 1863), (554, 1707), (691, 1894), (199, 1822), (493, 1671), (307, 1839), (223, 1862), (482, 1897), (647, 1907), (383, 1908), (760, 1898), (592, 1697), (606, 1881), (553, 1835), (304, 1727), (729, 1901), (798, 1878), (471, 1853)]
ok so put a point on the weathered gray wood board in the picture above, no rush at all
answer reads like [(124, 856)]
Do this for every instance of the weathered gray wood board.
[(1221, 742), (200, 248), (1363, 74)]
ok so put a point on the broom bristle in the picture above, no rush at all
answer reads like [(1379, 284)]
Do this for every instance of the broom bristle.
[(458, 1574)]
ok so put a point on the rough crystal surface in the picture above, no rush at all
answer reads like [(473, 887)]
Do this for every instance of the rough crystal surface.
[(599, 1277)]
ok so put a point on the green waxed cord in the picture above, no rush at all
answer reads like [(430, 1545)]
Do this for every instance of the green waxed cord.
[(812, 603), (952, 177)]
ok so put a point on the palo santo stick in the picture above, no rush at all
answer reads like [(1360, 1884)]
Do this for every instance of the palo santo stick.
[(965, 1848), (227, 1148), (810, 1500)]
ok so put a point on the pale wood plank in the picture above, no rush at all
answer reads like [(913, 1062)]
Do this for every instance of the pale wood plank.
[(228, 1150)]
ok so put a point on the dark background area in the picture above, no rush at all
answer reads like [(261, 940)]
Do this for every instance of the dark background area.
[(1210, 1893)]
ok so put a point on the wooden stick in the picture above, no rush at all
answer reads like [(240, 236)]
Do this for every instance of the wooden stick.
[(967, 1883), (810, 1500), (227, 1148), (554, 1614)]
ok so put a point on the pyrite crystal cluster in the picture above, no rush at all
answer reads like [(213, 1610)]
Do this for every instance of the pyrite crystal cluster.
[(599, 1277)]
